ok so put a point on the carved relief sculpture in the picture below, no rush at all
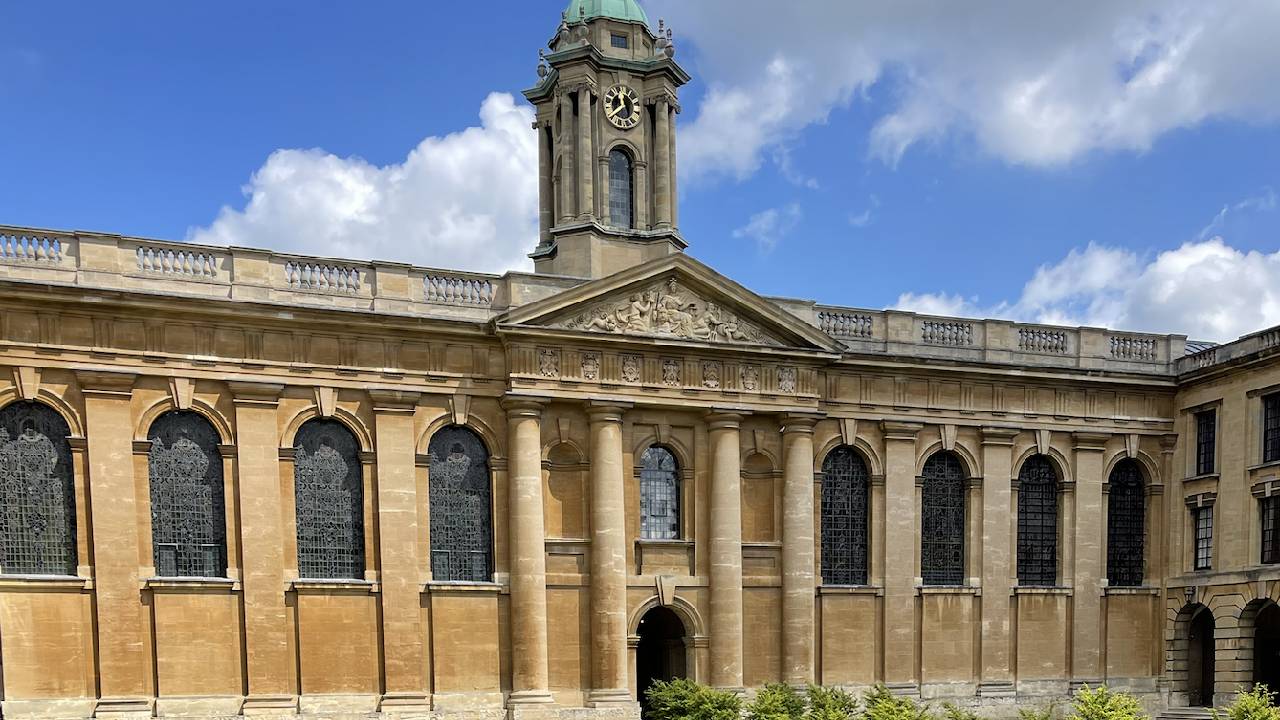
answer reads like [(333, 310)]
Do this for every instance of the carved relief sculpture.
[(591, 366), (631, 368), (671, 311), (548, 363), (750, 375), (787, 380), (671, 373), (711, 375)]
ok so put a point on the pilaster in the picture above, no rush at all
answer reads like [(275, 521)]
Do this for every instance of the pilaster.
[(798, 579), (1089, 559), (996, 676), (662, 165), (901, 660), (270, 664), (610, 684), (586, 171), (529, 678), (123, 663), (726, 550), (404, 651)]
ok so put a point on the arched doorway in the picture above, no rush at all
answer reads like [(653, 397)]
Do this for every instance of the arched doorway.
[(1266, 647), (660, 654), (1200, 659)]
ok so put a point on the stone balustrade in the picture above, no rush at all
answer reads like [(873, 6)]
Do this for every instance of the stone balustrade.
[(105, 261)]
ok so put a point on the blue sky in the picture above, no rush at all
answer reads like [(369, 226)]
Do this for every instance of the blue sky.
[(1111, 166)]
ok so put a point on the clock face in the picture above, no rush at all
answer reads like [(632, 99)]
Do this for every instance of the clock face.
[(622, 107)]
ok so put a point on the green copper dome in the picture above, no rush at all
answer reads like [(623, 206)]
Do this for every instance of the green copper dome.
[(616, 9)]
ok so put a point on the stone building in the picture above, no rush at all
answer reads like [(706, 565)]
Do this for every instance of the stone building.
[(234, 481)]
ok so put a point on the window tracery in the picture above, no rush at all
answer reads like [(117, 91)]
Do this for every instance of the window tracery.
[(942, 521), (1038, 489), (37, 492), (329, 495), (1126, 525), (461, 509), (845, 511), (188, 517), (659, 494)]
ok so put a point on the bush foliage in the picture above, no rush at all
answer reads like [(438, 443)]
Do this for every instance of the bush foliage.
[(1104, 704), (1257, 703), (687, 700)]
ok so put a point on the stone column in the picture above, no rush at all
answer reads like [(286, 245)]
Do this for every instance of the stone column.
[(568, 189), (546, 190), (1090, 560), (610, 682), (529, 679), (124, 674), (270, 663), (672, 155), (586, 171), (996, 677), (798, 583), (901, 536), (662, 165), (404, 648), (726, 551)]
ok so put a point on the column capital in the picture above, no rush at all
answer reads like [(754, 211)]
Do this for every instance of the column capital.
[(1089, 442), (600, 411), (255, 393), (895, 430), (394, 401), (999, 435), (105, 382), (523, 406), (801, 422), (724, 420)]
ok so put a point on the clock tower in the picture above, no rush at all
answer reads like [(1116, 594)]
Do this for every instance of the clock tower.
[(606, 105)]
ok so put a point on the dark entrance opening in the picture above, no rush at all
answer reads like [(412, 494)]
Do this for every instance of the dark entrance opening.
[(660, 655), (1200, 660), (1266, 647)]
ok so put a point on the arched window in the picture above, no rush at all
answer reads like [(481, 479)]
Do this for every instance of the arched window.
[(621, 194), (1037, 522), (942, 521), (461, 511), (188, 520), (1126, 525), (845, 529), (37, 492), (659, 495), (328, 488)]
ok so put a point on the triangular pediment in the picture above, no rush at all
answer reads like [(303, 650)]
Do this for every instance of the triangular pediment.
[(674, 298)]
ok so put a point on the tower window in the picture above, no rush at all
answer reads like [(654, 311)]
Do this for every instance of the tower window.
[(621, 195), (622, 42), (1206, 441)]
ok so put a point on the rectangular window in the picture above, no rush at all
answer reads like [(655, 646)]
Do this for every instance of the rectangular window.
[(1270, 530), (1206, 441), (1271, 428), (1204, 537), (622, 42)]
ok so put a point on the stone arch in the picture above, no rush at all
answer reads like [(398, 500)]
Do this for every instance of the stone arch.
[(55, 402), (1056, 458), (686, 611), (155, 410), (347, 418), (684, 455), (492, 440), (875, 465), (1150, 468), (1186, 655), (969, 460), (1257, 645), (565, 504), (626, 146)]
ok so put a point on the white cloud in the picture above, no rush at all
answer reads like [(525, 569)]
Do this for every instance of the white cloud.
[(768, 227), (865, 218), (1033, 83), (467, 200), (1205, 289)]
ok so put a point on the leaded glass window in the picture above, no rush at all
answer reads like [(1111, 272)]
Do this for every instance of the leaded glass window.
[(1270, 507), (188, 520), (1203, 518), (1271, 428), (621, 195), (1037, 522), (1126, 525), (659, 495), (845, 510), (1206, 441), (328, 490), (37, 492), (461, 509), (942, 521)]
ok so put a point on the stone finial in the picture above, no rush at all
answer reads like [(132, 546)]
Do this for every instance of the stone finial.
[(542, 64)]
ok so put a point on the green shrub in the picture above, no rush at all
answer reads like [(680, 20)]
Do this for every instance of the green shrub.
[(687, 700), (831, 704), (954, 712), (1049, 712), (776, 701), (881, 704), (1257, 703), (1103, 704)]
